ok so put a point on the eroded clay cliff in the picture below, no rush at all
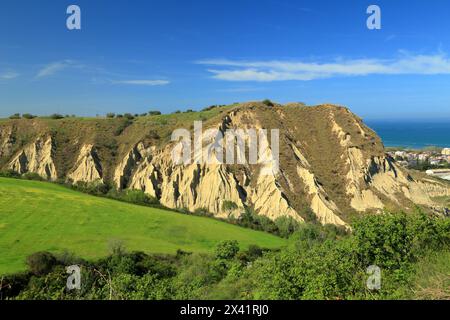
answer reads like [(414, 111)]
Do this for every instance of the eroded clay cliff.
[(330, 165)]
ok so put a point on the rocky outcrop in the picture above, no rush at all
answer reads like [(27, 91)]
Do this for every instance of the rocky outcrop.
[(88, 167), (125, 168), (37, 157), (6, 142), (369, 176)]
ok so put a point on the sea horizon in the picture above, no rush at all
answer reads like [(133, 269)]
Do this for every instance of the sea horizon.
[(414, 134)]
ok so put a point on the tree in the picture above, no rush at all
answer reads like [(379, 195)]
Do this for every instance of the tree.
[(154, 113), (229, 206), (15, 116), (28, 116), (128, 116), (268, 103), (110, 115), (56, 116)]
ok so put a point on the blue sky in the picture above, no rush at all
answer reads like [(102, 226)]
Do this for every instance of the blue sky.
[(135, 56)]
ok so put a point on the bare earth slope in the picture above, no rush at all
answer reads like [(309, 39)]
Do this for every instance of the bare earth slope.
[(331, 164)]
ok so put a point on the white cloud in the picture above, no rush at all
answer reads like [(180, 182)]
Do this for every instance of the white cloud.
[(278, 70), (55, 67), (143, 82), (8, 75)]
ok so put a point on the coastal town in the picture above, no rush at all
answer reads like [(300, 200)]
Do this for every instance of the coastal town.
[(434, 161)]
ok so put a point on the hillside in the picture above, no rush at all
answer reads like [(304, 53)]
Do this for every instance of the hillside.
[(39, 216), (332, 166)]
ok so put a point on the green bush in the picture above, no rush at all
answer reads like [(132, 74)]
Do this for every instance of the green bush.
[(391, 240), (227, 249), (250, 219), (203, 212), (97, 188), (9, 174), (32, 176), (15, 116), (154, 113), (229, 206), (110, 115), (210, 108), (268, 103), (41, 263), (139, 197), (56, 116), (286, 226), (133, 196), (28, 116)]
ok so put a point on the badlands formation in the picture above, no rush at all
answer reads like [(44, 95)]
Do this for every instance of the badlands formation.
[(331, 166)]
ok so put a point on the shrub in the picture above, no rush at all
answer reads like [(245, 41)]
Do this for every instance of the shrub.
[(139, 197), (110, 115), (133, 196), (268, 103), (117, 247), (32, 176), (250, 219), (15, 116), (9, 174), (203, 212), (97, 187), (129, 116), (41, 263), (56, 116), (28, 116), (227, 249), (154, 113), (229, 206), (210, 108), (391, 240), (286, 226)]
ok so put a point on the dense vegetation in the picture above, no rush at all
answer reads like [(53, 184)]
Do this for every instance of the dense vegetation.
[(319, 263)]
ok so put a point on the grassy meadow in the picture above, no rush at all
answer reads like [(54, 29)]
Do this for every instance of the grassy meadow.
[(39, 216)]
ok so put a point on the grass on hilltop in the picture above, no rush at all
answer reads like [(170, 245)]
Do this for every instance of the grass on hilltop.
[(38, 216)]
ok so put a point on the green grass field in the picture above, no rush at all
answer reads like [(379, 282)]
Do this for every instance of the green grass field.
[(37, 216)]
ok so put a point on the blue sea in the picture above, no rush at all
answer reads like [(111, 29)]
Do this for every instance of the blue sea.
[(412, 134)]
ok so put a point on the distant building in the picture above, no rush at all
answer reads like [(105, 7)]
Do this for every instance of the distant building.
[(400, 154), (446, 152), (435, 162)]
